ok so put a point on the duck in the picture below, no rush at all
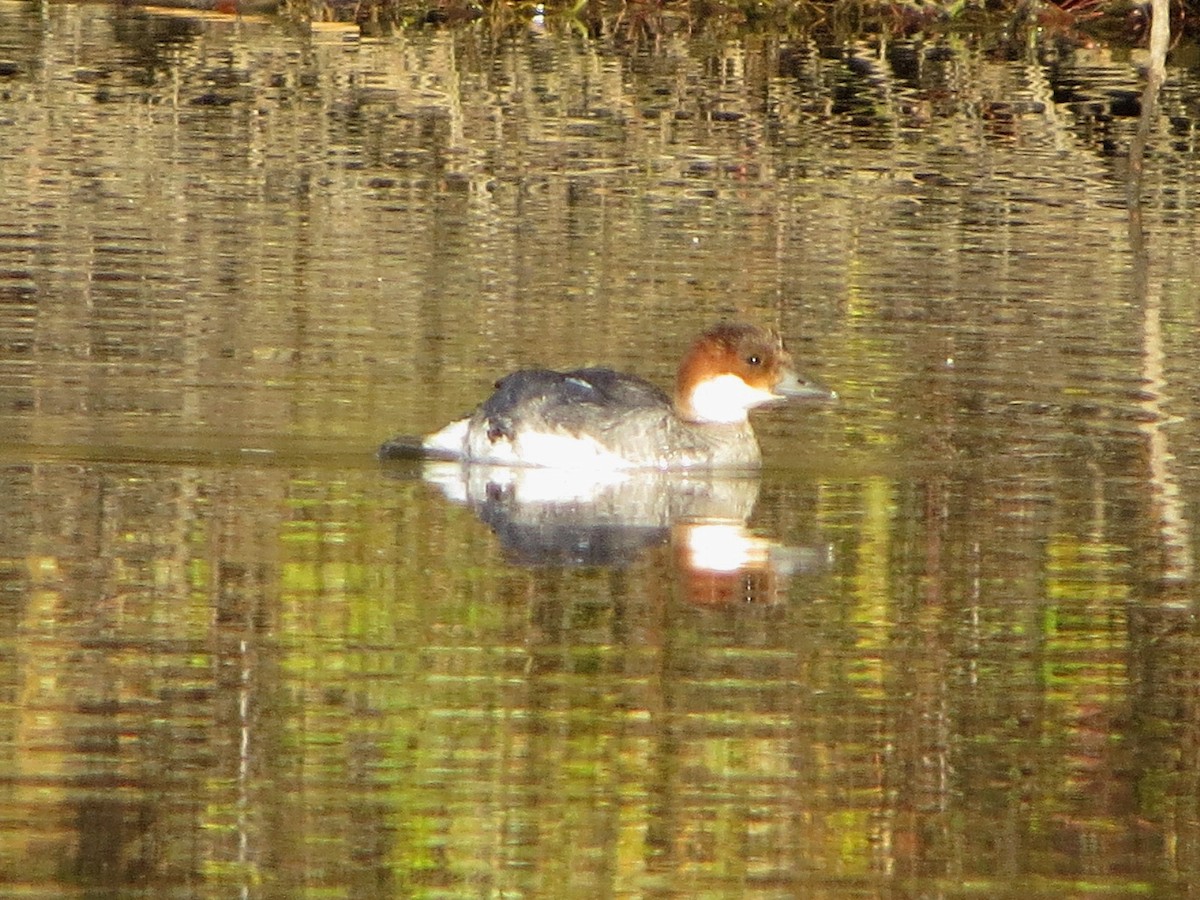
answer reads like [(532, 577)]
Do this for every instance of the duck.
[(596, 418)]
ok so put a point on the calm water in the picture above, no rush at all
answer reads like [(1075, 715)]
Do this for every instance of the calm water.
[(946, 644)]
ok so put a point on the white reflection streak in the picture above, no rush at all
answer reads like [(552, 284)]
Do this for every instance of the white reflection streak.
[(244, 769), (1173, 523)]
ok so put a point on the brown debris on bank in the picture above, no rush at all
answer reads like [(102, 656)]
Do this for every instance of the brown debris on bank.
[(1112, 21)]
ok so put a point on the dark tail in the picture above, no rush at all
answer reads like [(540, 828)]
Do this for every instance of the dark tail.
[(402, 447), (405, 446)]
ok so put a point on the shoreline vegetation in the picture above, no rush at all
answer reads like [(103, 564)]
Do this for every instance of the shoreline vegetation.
[(1122, 23)]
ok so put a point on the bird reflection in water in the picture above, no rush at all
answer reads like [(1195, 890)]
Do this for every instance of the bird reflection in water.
[(549, 517)]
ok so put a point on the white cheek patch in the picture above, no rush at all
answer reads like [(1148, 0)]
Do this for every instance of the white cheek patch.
[(725, 399)]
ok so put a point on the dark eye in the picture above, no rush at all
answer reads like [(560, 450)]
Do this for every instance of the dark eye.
[(753, 360)]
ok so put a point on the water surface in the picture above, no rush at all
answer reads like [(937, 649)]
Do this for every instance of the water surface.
[(237, 655)]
